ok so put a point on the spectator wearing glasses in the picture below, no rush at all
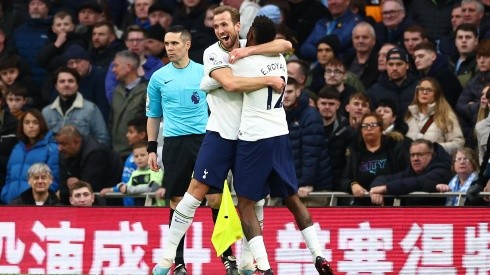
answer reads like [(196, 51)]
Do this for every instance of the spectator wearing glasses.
[(431, 117), (466, 167), (335, 75), (372, 155), (135, 38), (429, 166), (394, 22)]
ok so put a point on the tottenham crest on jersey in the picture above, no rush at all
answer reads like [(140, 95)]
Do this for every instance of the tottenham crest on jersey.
[(213, 59)]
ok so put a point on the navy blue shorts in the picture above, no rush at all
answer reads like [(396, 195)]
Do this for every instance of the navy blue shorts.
[(216, 157), (265, 167)]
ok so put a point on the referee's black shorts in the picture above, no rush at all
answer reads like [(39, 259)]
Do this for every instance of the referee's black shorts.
[(178, 157)]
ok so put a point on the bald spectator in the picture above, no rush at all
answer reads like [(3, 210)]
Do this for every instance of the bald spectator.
[(84, 158), (363, 62)]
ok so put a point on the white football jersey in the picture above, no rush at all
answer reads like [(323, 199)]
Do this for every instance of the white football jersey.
[(225, 107), (262, 113)]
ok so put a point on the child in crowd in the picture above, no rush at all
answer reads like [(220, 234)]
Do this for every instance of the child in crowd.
[(12, 74), (16, 100), (143, 179), (136, 133)]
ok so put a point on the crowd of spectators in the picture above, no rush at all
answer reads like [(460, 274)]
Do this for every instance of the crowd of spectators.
[(381, 94)]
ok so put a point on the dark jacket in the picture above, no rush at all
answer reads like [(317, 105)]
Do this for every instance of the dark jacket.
[(433, 16), (466, 110), (401, 95), (450, 84), (370, 74), (467, 69), (29, 38), (303, 15), (95, 163), (310, 155), (383, 35), (102, 58), (27, 198), (337, 143), (51, 58), (8, 139), (406, 181), (397, 157)]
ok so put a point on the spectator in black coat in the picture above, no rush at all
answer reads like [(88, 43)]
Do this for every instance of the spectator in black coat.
[(308, 144), (84, 158), (430, 165)]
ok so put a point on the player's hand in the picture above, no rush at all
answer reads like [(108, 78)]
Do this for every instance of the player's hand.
[(238, 53), (304, 191), (277, 84), (152, 162), (160, 193), (377, 199)]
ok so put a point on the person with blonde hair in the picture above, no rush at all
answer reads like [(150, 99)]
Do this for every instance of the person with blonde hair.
[(465, 165), (482, 128), (431, 117)]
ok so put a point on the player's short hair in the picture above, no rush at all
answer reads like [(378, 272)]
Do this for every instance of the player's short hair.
[(264, 29), (234, 13)]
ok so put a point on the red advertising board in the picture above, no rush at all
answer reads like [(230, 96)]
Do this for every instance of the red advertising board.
[(61, 240)]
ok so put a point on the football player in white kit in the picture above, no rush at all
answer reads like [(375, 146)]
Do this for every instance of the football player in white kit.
[(217, 154), (264, 162)]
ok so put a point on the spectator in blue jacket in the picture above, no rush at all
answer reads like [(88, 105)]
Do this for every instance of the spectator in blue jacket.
[(135, 38), (36, 145), (341, 23), (30, 37), (307, 137)]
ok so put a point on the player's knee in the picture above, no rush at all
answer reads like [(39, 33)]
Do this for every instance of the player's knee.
[(214, 200), (197, 189)]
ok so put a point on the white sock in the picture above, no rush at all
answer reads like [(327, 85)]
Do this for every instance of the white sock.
[(246, 257), (257, 247), (311, 239), (181, 221)]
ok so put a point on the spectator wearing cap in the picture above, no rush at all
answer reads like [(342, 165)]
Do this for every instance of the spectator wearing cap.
[(341, 24), (272, 12), (469, 100), (139, 14), (248, 10), (160, 13), (328, 48), (429, 63), (30, 37), (104, 45), (154, 44), (134, 38), (397, 83), (91, 84), (89, 12)]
